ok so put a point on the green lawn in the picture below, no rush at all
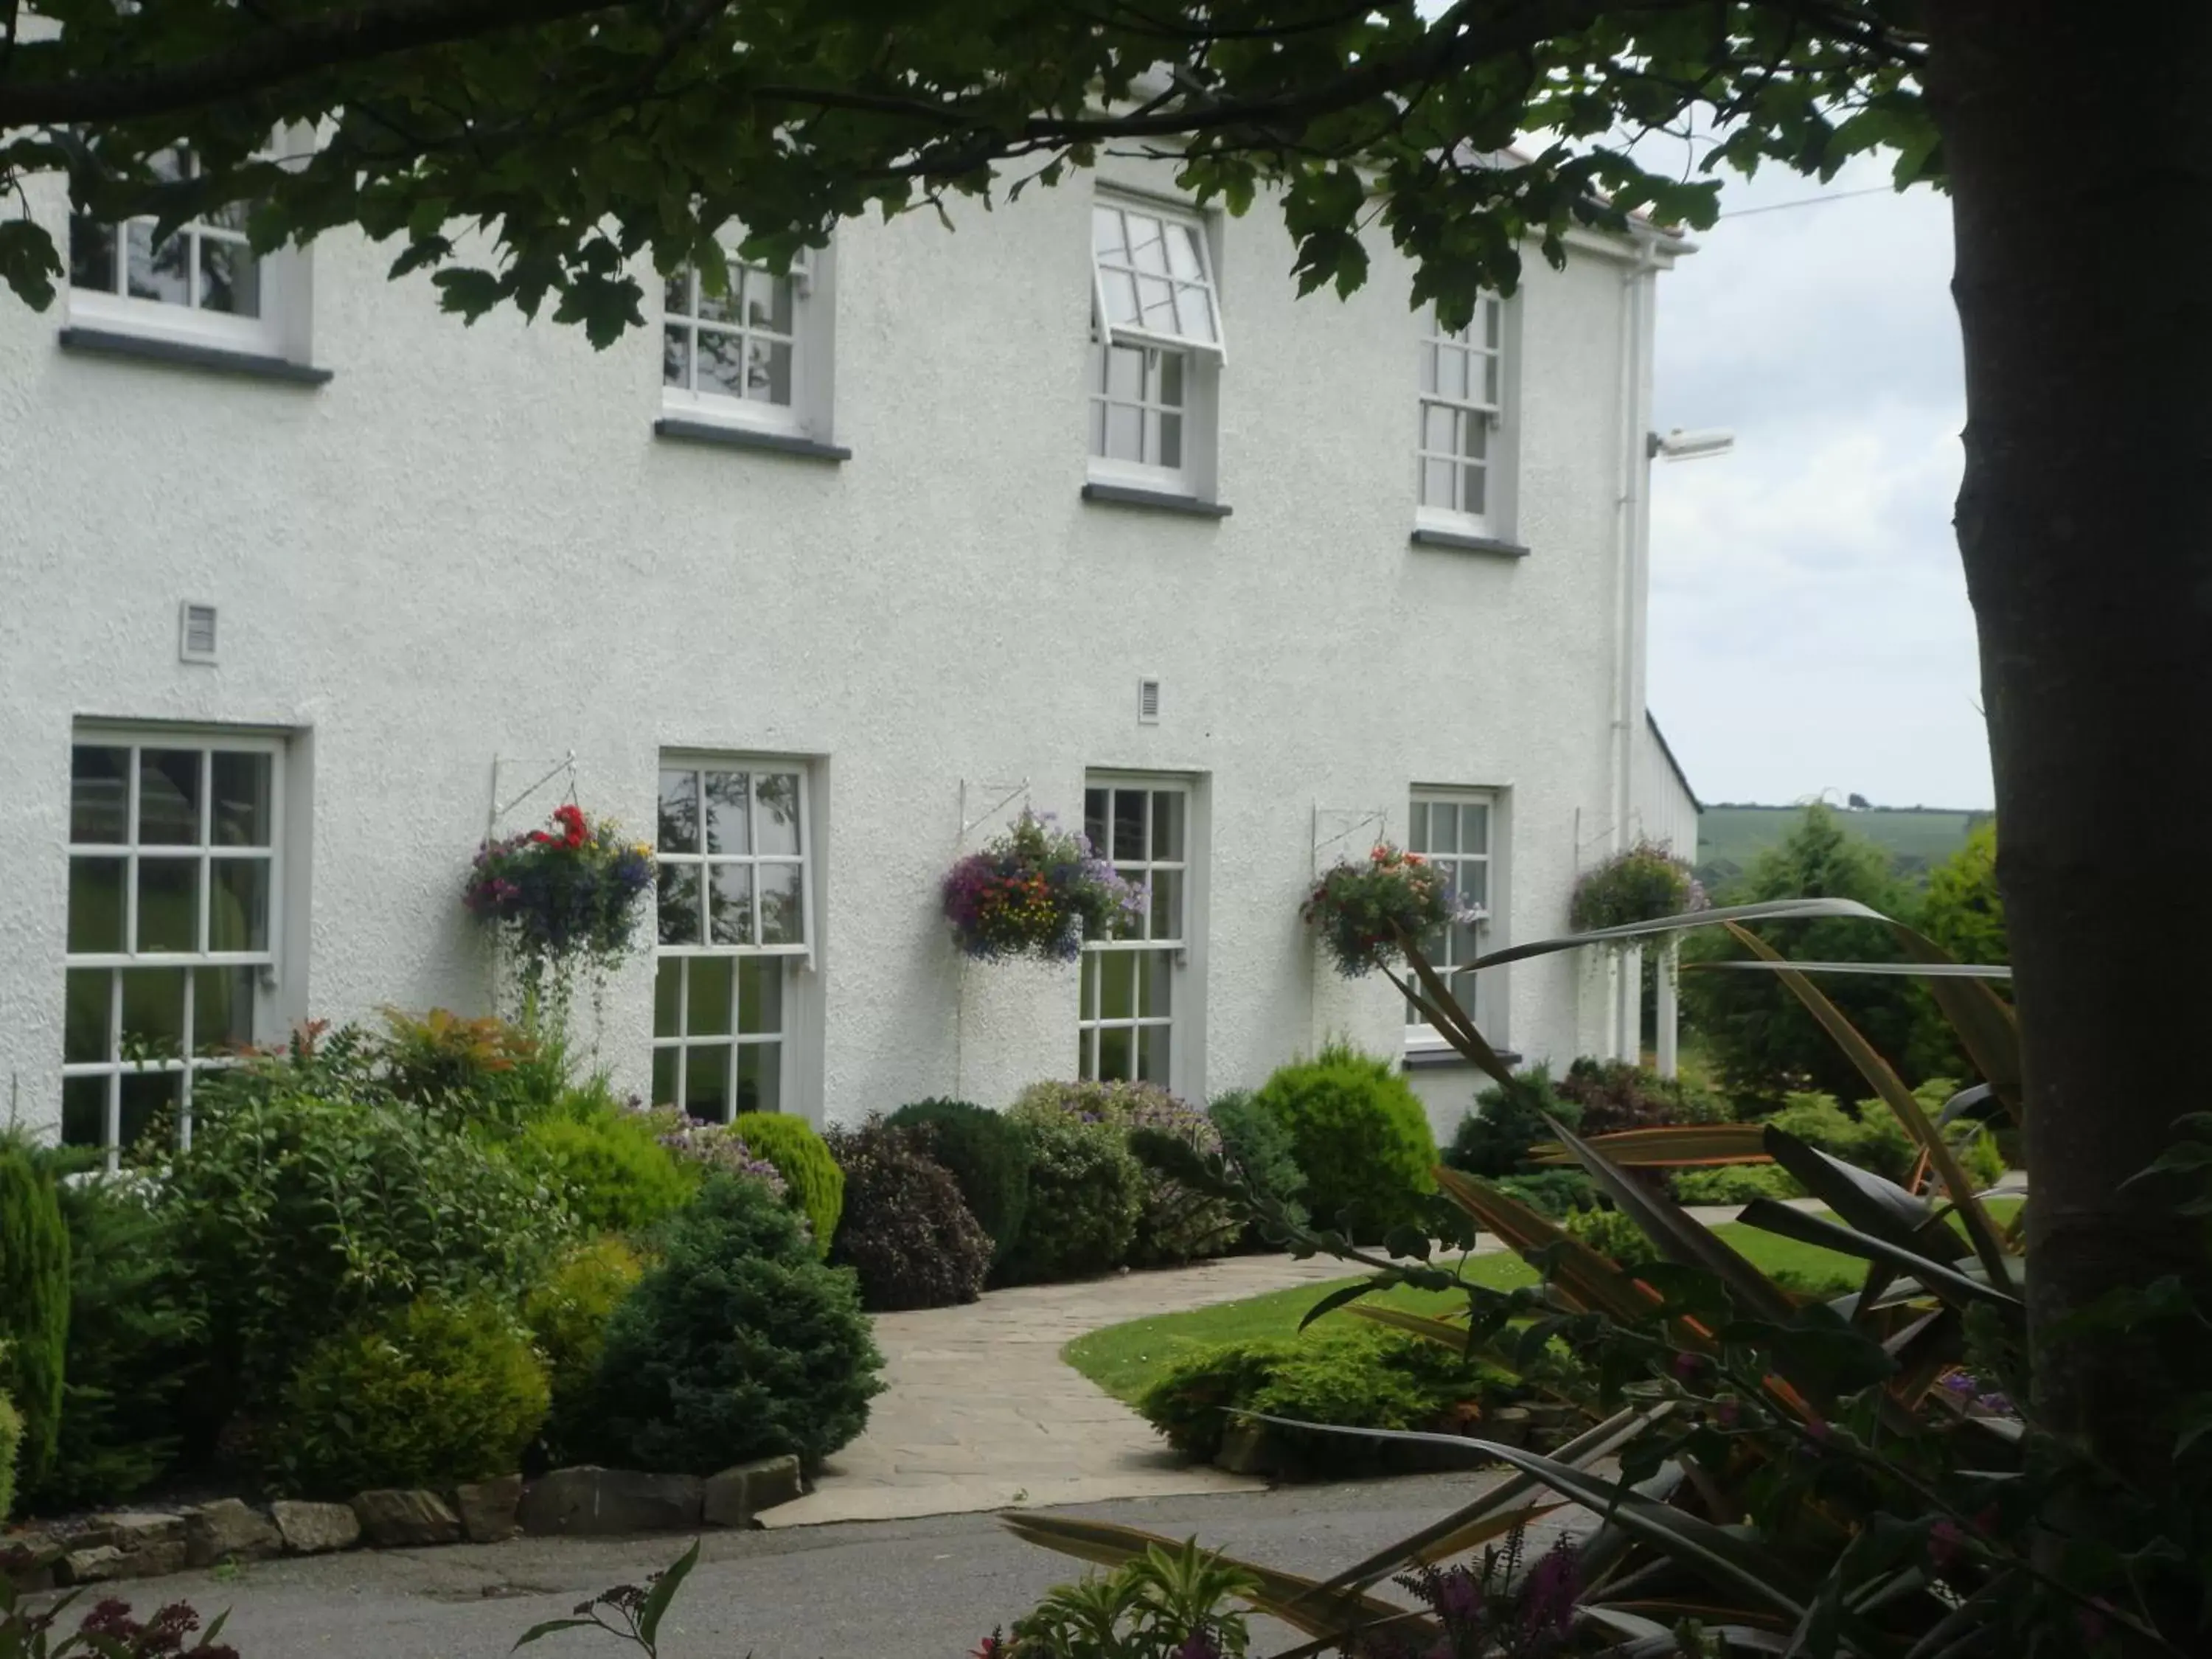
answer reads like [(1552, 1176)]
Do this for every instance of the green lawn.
[(1123, 1359)]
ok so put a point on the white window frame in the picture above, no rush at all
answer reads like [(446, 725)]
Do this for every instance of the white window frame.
[(276, 330), (1201, 357), (812, 279), (1483, 344), (1481, 994), (797, 957), (1182, 1022), (266, 962)]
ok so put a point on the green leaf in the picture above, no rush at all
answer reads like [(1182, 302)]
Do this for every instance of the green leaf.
[(1939, 1278), (663, 1591), (553, 1626), (1342, 1295)]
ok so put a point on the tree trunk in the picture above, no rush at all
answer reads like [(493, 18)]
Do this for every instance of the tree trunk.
[(2079, 146)]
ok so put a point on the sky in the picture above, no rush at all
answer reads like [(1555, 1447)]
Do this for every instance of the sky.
[(1809, 624)]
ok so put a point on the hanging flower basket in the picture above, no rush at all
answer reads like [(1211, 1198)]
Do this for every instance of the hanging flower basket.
[(562, 899), (1363, 910), (1641, 884), (1035, 891)]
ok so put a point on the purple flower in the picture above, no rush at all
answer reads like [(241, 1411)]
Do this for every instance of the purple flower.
[(1547, 1602)]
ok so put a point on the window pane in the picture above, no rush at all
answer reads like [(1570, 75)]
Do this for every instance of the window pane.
[(1490, 382), (1167, 904), (1117, 984), (1417, 827), (760, 995), (732, 920), (1473, 494), (84, 1111), (95, 905), (238, 904), (719, 364), (767, 301), (1087, 1004), (1153, 1054), (154, 273), (1490, 319), (679, 904), (1436, 479), (1475, 829), (168, 904), (724, 305), (1147, 242), (1167, 825), (707, 1082), (1121, 292), (1156, 304), (676, 357), (1443, 827), (775, 824), (713, 982), (1473, 436), (153, 1013), (222, 1009), (1125, 373), (85, 1012), (1171, 377), (1439, 428), (760, 1067), (100, 793), (92, 255), (170, 797), (1107, 236), (667, 1000), (726, 829), (768, 372), (783, 905), (1094, 818), (1428, 366), (1193, 314), (1115, 1056), (1167, 439), (242, 816), (230, 278), (1155, 980), (150, 1100), (676, 294), (1182, 252), (1474, 882), (1125, 433), (1086, 1055), (665, 1064), (680, 812), (1129, 826)]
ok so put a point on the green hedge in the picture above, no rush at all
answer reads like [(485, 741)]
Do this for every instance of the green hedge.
[(987, 1154), (11, 1444), (815, 1184), (908, 1234), (35, 1269), (1361, 1138), (608, 1166), (1085, 1193), (566, 1317), (1260, 1149)]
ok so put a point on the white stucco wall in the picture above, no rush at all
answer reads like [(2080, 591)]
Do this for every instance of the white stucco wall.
[(469, 545)]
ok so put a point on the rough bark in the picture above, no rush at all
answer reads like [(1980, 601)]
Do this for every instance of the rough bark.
[(2079, 141)]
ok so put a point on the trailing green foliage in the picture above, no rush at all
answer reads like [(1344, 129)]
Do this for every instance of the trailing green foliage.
[(1361, 1137), (738, 1344), (34, 1280), (1257, 1144), (11, 1446), (987, 1156), (1763, 1044), (906, 1233), (1352, 1376), (136, 1343), (566, 1317), (1641, 883), (1612, 1094), (816, 1185), (1086, 1190), (1495, 1138), (299, 1215), (1175, 1223), (425, 1396), (608, 1167)]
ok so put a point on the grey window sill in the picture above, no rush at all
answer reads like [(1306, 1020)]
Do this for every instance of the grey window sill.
[(1422, 1059), (1467, 543), (738, 437), (180, 354), (1158, 501)]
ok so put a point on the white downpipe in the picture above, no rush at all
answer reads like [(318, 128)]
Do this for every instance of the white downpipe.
[(1631, 533)]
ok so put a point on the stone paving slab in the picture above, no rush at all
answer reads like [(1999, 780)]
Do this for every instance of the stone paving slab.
[(981, 1414)]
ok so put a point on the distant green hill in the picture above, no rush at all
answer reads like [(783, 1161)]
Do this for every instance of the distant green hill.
[(1916, 837)]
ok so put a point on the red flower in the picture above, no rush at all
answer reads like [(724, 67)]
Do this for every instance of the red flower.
[(570, 817)]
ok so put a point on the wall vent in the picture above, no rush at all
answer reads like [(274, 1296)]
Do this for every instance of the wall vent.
[(1148, 702), (194, 633)]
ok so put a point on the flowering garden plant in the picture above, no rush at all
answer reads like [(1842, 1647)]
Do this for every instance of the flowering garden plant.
[(1038, 892), (1363, 911), (561, 898)]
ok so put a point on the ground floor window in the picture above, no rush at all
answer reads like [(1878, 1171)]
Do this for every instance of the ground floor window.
[(1132, 985), (736, 925), (175, 868), (1451, 828)]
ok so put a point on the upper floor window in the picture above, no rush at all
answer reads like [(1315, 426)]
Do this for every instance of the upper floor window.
[(1156, 346), (735, 851), (753, 349), (175, 858), (1460, 449), (203, 282)]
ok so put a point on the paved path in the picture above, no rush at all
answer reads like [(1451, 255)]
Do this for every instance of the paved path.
[(982, 1413)]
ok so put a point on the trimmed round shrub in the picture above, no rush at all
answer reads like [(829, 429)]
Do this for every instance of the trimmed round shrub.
[(1085, 1191), (1735, 1183), (1494, 1139), (567, 1316), (1261, 1150), (434, 1394), (1362, 1138), (608, 1168), (11, 1443), (1554, 1193), (907, 1232), (1174, 1223), (1613, 1094), (987, 1156), (1874, 1140), (1613, 1233), (34, 1289), (740, 1343), (816, 1184)]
